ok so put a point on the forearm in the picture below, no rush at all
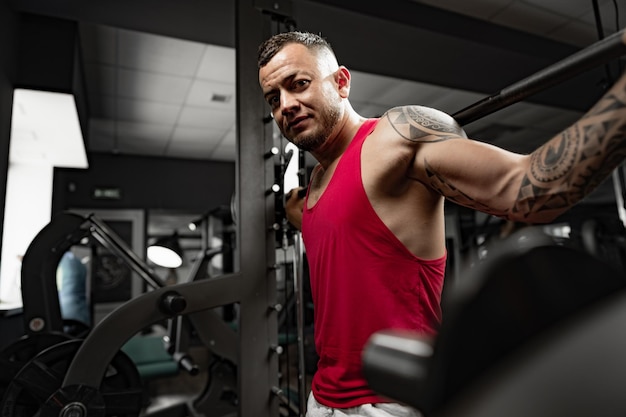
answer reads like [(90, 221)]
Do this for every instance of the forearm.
[(295, 218), (294, 205), (572, 164)]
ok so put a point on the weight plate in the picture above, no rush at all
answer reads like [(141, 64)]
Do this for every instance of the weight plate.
[(121, 388), (14, 356)]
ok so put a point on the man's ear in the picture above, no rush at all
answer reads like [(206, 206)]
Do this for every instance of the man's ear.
[(342, 77)]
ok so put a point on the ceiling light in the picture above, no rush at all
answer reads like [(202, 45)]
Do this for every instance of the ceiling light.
[(166, 252)]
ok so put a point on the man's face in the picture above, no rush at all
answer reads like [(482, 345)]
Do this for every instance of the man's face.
[(300, 87)]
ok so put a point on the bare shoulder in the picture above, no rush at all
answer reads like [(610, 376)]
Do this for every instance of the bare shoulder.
[(423, 124)]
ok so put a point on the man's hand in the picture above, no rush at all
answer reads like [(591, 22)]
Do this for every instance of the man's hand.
[(294, 204)]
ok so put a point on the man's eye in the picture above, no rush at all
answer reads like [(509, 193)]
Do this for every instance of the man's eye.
[(301, 83), (272, 101)]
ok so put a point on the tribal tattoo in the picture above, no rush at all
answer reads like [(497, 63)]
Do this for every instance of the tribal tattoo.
[(415, 123), (562, 172), (452, 193), (566, 169)]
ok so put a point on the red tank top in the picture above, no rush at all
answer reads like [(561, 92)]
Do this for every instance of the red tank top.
[(363, 279)]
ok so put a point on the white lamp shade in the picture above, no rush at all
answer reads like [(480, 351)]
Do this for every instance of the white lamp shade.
[(164, 257)]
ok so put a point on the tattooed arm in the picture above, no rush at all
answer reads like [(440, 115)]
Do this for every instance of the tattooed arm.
[(532, 188), (572, 164)]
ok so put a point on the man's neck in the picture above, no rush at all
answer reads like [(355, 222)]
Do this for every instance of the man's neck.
[(336, 145)]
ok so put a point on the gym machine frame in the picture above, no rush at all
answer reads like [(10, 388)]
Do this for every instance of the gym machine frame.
[(253, 287), (41, 308)]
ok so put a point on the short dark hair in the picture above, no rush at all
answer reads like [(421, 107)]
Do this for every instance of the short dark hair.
[(273, 45)]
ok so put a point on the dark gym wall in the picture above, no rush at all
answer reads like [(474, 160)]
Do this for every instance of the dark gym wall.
[(8, 68), (145, 183)]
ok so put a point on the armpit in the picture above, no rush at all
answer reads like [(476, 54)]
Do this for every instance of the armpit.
[(423, 124)]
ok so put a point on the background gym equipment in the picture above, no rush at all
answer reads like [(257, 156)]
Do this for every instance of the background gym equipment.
[(121, 388), (509, 309), (42, 316), (291, 171), (43, 325), (19, 352), (89, 366)]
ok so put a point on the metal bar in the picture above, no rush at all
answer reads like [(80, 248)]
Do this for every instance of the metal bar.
[(94, 355), (42, 311), (258, 328), (298, 261), (284, 399), (594, 55)]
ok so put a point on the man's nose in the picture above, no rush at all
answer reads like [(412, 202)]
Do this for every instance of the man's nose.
[(288, 102)]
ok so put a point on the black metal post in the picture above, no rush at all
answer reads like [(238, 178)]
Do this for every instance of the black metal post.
[(258, 328)]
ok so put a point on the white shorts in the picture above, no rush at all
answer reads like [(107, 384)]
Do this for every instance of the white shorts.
[(315, 409)]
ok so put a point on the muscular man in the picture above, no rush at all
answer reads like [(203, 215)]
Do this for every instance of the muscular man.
[(373, 218)]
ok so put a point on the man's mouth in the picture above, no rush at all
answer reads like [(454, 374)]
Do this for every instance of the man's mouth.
[(294, 123)]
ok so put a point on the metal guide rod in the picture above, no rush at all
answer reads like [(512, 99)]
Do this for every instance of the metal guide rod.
[(594, 55), (284, 399), (298, 262)]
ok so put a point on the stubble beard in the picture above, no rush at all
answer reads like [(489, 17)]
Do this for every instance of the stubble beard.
[(313, 141)]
